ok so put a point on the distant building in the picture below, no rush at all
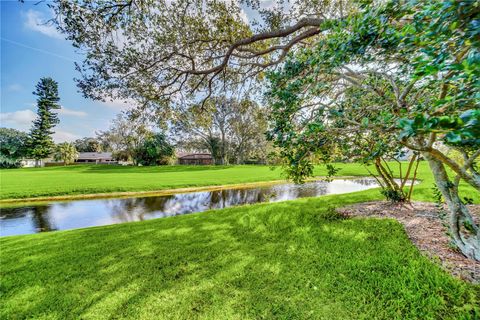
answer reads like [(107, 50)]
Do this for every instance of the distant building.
[(195, 159), (30, 163), (95, 157)]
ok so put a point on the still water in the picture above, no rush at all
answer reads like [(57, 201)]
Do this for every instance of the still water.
[(89, 213)]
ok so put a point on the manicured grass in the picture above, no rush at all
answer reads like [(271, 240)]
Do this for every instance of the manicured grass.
[(91, 179), (87, 179), (286, 260), (270, 261)]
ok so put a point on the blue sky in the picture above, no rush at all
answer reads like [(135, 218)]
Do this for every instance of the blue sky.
[(31, 50)]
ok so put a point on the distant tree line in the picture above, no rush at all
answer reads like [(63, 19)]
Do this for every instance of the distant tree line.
[(130, 139), (231, 130)]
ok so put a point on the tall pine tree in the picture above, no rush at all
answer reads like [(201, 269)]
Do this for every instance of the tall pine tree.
[(40, 142)]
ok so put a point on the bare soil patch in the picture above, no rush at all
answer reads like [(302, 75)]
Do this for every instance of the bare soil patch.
[(425, 229)]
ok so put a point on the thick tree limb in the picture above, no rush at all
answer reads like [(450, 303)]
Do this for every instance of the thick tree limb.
[(305, 22)]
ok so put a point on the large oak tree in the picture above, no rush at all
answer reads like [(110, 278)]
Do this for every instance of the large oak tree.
[(156, 50), (401, 74)]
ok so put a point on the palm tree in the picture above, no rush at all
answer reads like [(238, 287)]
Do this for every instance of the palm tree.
[(66, 152)]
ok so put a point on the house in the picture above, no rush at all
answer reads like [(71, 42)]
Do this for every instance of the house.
[(95, 157), (30, 163), (195, 159)]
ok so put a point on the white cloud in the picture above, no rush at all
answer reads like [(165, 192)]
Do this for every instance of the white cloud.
[(70, 112), (64, 136), (21, 119), (14, 87), (243, 16), (35, 20)]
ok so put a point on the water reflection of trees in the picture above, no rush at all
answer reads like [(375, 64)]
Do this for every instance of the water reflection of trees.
[(290, 191), (14, 213), (233, 197), (134, 209), (366, 181), (39, 216)]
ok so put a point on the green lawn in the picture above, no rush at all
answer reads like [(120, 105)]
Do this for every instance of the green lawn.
[(91, 179), (288, 260), (88, 179), (270, 261)]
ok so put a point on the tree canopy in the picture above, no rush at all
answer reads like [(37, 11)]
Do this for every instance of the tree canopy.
[(88, 144), (398, 75), (232, 130), (158, 50), (66, 152), (12, 147), (126, 134), (155, 150)]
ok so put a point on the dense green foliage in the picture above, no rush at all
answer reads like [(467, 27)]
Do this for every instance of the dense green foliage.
[(89, 179), (126, 135), (392, 75), (9, 163), (404, 73), (65, 152), (155, 150), (88, 144), (40, 142), (230, 129), (12, 147), (289, 260), (184, 50)]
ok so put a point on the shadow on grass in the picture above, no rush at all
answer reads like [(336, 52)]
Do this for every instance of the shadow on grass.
[(280, 260)]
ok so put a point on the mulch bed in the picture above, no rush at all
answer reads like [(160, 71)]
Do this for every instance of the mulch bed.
[(426, 230)]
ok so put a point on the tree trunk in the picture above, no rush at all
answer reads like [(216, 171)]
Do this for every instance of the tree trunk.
[(468, 241), (393, 191), (223, 148), (240, 155)]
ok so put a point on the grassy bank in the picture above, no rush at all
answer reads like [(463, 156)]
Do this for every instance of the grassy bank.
[(92, 179), (286, 260), (97, 179)]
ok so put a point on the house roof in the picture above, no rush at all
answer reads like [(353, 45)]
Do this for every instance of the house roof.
[(192, 156), (95, 156)]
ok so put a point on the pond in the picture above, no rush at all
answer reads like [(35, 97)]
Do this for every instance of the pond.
[(89, 213)]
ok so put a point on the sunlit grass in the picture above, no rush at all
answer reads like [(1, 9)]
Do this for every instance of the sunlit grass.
[(281, 260), (94, 179)]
